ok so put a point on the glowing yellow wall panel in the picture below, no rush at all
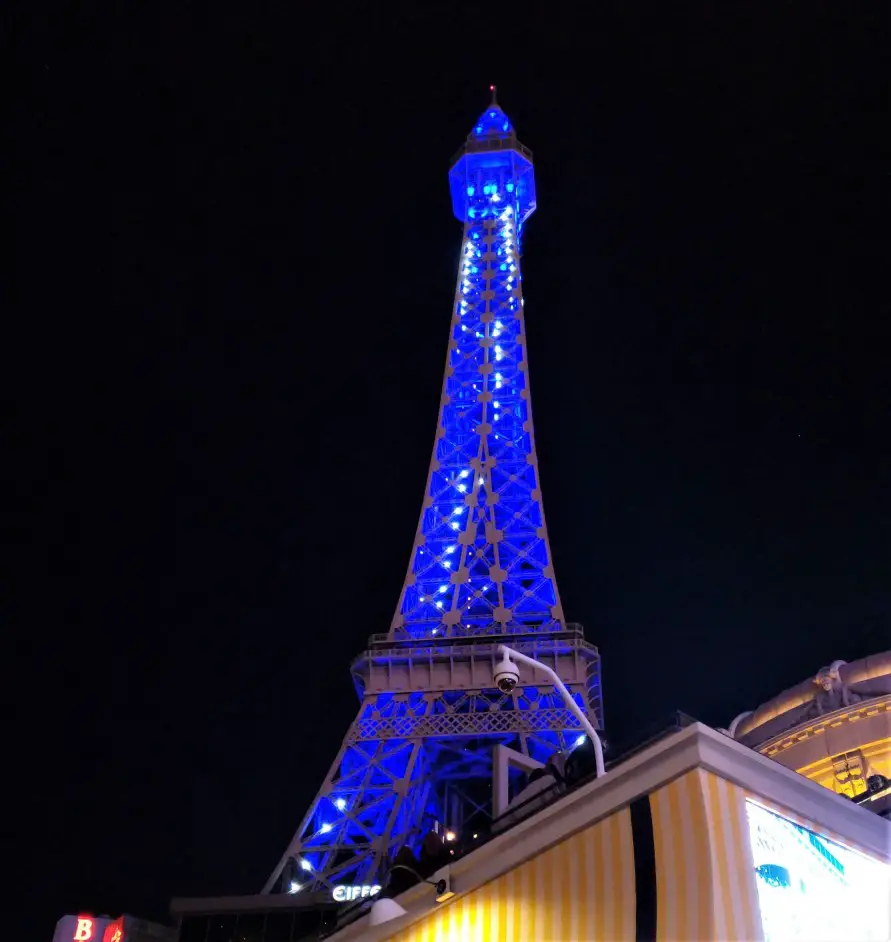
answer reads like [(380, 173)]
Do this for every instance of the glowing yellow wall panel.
[(875, 756), (582, 888), (704, 885)]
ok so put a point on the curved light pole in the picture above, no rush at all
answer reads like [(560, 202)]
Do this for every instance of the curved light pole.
[(567, 699)]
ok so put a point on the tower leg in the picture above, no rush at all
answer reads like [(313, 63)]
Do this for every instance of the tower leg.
[(409, 762)]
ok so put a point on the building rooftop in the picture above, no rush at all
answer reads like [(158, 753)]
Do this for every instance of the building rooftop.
[(695, 764)]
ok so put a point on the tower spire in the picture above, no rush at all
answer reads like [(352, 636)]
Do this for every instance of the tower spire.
[(494, 90), (420, 754), (481, 559)]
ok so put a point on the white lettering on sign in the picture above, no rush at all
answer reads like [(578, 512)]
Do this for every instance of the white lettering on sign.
[(344, 893), (84, 930)]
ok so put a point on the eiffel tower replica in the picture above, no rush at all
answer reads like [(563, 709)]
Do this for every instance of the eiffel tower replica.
[(419, 755)]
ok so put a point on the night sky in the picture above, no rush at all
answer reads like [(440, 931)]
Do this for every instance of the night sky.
[(242, 264)]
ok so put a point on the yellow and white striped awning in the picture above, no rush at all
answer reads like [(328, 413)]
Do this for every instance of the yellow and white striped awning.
[(583, 888), (676, 863)]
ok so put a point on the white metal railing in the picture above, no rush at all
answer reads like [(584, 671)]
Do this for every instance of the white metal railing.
[(483, 145)]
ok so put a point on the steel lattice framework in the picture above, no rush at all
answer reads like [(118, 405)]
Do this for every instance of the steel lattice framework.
[(419, 754)]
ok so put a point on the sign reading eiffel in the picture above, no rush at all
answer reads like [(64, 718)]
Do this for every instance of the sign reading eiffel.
[(419, 755)]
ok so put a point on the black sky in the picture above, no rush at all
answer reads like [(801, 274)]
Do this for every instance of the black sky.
[(242, 261)]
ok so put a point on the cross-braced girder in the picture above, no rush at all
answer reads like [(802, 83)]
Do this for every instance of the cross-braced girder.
[(387, 790), (481, 554), (419, 754)]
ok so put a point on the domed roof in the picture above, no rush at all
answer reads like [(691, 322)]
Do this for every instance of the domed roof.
[(839, 684), (493, 122)]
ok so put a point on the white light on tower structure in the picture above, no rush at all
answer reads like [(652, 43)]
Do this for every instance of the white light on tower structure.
[(482, 178), (340, 804)]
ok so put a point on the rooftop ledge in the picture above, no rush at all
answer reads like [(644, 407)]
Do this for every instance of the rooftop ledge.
[(696, 747)]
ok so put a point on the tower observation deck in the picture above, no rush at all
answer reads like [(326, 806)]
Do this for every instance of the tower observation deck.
[(419, 755)]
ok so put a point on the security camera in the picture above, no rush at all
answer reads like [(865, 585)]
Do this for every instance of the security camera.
[(507, 674)]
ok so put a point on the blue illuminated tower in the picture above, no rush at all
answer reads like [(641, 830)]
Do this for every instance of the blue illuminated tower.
[(419, 755)]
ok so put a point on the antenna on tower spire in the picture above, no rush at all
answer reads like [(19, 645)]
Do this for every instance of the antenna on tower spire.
[(494, 89)]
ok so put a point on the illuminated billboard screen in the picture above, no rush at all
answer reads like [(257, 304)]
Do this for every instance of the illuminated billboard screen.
[(813, 889)]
